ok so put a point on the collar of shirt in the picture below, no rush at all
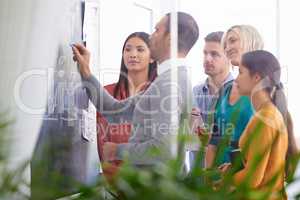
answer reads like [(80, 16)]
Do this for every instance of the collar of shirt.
[(166, 65), (205, 87)]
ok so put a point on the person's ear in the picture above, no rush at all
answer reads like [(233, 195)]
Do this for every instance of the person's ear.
[(257, 78), (168, 38)]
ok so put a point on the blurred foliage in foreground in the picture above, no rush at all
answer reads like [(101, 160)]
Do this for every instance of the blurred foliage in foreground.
[(163, 181)]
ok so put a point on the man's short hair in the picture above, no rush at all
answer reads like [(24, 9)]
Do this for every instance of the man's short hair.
[(214, 37), (188, 31)]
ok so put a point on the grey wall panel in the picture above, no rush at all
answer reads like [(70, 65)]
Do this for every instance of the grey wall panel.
[(35, 61)]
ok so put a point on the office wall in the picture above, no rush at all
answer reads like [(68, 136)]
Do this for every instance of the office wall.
[(119, 19)]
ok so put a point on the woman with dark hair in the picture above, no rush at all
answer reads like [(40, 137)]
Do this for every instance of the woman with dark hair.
[(264, 142), (137, 71)]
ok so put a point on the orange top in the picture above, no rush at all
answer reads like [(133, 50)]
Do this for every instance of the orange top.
[(264, 145)]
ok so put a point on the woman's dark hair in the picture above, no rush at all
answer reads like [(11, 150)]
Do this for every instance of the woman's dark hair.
[(123, 78), (267, 66)]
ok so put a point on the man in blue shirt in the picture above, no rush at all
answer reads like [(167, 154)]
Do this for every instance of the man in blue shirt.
[(224, 111), (217, 67)]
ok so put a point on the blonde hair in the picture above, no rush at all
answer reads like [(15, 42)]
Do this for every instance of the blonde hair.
[(251, 40)]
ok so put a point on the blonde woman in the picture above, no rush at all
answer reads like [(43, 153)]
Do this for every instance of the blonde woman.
[(232, 111)]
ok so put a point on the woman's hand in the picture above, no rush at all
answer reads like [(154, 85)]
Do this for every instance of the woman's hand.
[(109, 151), (82, 56), (224, 167)]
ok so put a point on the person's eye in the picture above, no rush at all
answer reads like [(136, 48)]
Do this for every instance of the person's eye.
[(232, 40), (127, 49), (141, 49), (214, 54)]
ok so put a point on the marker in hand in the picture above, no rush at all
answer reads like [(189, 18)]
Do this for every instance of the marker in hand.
[(72, 45), (82, 56)]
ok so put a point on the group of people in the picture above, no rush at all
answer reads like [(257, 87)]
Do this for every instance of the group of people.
[(144, 110)]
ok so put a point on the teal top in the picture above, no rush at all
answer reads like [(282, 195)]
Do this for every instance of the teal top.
[(229, 120)]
